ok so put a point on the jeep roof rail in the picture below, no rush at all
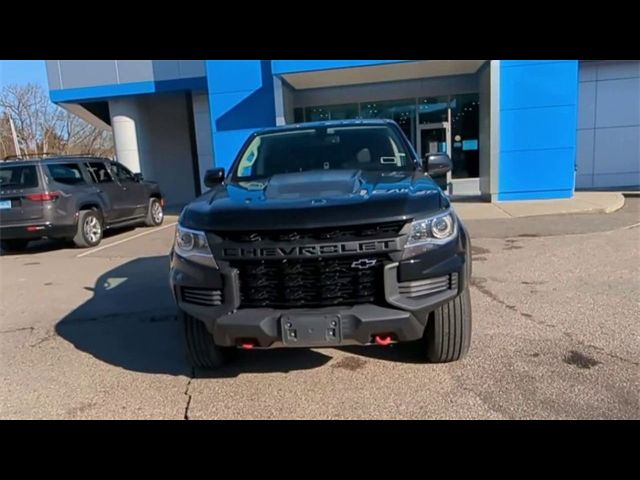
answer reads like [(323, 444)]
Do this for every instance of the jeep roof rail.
[(44, 156), (27, 156)]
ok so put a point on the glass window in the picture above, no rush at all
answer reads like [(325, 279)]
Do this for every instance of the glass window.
[(99, 172), (298, 115), (362, 147), (19, 176), (401, 111), (343, 112), (331, 112), (121, 173), (433, 109), (465, 129), (66, 173), (316, 114)]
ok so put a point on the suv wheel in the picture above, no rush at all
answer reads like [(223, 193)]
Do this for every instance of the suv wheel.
[(203, 352), (448, 333), (155, 214), (15, 245), (90, 229)]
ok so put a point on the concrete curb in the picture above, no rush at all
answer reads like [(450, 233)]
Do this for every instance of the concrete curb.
[(582, 202)]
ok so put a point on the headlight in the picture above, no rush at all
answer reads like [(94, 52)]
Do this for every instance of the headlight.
[(430, 231), (193, 245)]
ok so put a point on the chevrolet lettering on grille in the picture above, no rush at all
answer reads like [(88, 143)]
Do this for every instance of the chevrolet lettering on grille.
[(305, 251)]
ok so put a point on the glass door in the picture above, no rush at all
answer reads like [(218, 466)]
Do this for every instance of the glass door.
[(436, 138)]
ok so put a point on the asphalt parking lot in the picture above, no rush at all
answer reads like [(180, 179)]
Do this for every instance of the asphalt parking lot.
[(556, 305)]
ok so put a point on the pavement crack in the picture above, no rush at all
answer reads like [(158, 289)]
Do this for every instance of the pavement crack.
[(46, 338), (21, 329), (479, 283), (152, 316), (603, 351), (188, 395)]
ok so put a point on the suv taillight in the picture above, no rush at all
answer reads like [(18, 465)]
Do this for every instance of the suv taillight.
[(42, 197)]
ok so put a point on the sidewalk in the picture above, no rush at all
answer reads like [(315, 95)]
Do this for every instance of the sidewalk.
[(582, 202)]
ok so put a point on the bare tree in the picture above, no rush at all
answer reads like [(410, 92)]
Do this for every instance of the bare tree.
[(43, 127)]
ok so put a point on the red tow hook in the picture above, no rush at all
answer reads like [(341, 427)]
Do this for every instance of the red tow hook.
[(383, 340), (247, 344)]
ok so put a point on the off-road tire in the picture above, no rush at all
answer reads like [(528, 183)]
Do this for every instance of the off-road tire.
[(86, 236), (154, 218), (447, 336), (202, 350)]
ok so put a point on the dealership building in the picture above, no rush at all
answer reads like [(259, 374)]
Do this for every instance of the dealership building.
[(515, 129)]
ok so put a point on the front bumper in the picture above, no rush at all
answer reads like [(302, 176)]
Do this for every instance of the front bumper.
[(358, 324), (412, 288)]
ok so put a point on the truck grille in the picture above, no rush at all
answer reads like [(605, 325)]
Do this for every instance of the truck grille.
[(380, 230), (310, 283)]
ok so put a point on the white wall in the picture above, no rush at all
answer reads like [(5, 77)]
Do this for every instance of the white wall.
[(153, 132), (430, 87), (608, 143)]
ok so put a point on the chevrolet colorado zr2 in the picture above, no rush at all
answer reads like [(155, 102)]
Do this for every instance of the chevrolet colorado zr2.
[(323, 235)]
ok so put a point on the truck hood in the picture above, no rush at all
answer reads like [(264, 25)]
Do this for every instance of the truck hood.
[(315, 199)]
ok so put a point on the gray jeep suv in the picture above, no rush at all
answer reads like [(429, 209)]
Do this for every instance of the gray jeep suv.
[(72, 198)]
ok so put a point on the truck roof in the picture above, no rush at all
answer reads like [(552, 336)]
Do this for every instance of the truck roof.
[(327, 123)]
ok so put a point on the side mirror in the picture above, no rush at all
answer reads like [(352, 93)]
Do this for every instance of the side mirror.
[(213, 177), (437, 163), (137, 177)]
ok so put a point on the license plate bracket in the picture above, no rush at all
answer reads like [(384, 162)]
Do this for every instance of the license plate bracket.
[(308, 330)]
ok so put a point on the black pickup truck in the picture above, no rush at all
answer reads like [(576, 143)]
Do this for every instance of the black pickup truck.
[(323, 235)]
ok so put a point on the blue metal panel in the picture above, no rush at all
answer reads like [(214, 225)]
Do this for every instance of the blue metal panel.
[(233, 75), (241, 99), (538, 85), (295, 66), (537, 170), (520, 63), (105, 92), (538, 128), (538, 119), (544, 195), (227, 144)]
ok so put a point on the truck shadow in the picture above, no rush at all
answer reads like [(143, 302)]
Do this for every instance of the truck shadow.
[(131, 322), (398, 353), (46, 245)]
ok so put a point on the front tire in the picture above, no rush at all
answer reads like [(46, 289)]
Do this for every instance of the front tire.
[(155, 213), (448, 334), (14, 245), (90, 229), (202, 350)]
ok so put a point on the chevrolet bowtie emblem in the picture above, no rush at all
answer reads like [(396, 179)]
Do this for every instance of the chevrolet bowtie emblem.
[(364, 263)]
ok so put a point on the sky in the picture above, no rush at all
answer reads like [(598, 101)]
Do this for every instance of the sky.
[(22, 71)]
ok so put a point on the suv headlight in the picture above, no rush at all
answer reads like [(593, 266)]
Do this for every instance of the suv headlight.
[(193, 245), (430, 231)]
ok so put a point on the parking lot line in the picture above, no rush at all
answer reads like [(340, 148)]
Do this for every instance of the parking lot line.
[(97, 249)]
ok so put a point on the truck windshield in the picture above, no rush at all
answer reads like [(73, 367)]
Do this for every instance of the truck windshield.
[(361, 147)]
